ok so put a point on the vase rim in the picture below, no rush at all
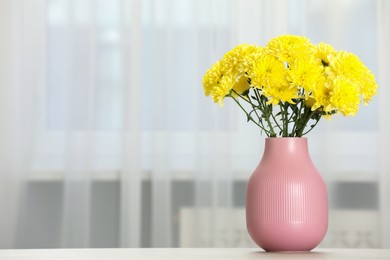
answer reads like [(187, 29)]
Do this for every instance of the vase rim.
[(286, 145), (273, 138), (286, 140)]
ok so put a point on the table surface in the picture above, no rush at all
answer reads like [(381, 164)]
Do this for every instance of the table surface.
[(189, 254)]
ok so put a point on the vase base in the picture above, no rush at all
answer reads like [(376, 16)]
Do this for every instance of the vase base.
[(287, 251)]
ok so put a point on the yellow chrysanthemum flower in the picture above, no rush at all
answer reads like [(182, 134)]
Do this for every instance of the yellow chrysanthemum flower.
[(305, 73), (268, 71), (345, 96), (368, 87), (236, 60), (212, 77), (280, 93), (346, 64), (249, 59), (287, 70), (241, 85), (323, 52), (320, 99), (290, 47), (223, 88), (349, 65)]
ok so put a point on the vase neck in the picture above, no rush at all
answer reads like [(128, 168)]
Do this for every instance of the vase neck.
[(286, 147)]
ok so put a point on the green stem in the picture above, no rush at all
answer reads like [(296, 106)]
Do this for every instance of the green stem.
[(297, 117), (284, 119), (267, 114), (249, 102), (276, 122), (292, 115), (311, 128), (250, 118), (304, 123), (270, 126), (285, 106), (254, 108)]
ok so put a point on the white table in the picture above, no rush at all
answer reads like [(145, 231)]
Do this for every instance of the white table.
[(188, 254)]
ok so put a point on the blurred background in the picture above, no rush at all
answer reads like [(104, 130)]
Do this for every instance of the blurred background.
[(107, 139)]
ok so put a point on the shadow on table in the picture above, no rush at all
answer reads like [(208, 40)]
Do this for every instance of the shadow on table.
[(292, 254)]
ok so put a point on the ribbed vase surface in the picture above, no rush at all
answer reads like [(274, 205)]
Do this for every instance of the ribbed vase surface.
[(286, 199)]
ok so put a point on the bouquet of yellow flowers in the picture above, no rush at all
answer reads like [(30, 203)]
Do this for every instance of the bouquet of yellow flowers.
[(290, 82)]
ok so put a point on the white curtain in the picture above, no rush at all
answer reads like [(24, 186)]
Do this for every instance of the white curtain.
[(107, 140), (383, 54)]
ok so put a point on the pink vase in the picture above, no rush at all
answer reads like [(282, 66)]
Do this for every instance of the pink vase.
[(286, 199)]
